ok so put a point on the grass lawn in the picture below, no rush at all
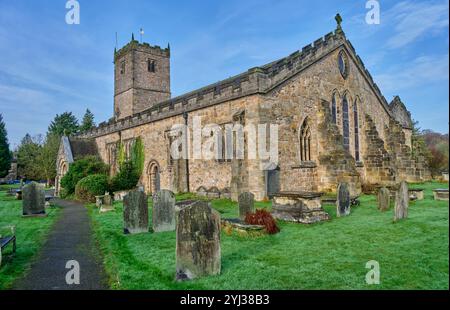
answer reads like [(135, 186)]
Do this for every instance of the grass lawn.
[(31, 233), (413, 253)]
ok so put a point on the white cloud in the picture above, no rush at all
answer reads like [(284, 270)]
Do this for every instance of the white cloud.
[(411, 21), (423, 70)]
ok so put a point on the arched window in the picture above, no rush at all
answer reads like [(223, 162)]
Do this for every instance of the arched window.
[(345, 124), (333, 109), (356, 123), (305, 141)]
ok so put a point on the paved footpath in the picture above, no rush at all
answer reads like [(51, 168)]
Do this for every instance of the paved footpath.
[(70, 239)]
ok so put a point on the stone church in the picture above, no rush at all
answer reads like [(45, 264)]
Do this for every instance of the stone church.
[(334, 123)]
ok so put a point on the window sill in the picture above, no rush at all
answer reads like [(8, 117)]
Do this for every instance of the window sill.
[(305, 165)]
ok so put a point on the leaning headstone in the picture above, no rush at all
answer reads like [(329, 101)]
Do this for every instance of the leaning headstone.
[(164, 211), (135, 212), (343, 200), (33, 199), (401, 202), (246, 202), (198, 241), (383, 199)]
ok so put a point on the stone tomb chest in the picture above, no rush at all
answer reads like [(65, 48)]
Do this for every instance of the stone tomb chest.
[(416, 194), (300, 207), (440, 194)]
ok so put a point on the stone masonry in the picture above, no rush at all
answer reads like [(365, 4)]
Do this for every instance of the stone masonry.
[(333, 127)]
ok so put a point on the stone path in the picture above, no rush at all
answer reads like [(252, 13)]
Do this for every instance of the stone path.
[(70, 239)]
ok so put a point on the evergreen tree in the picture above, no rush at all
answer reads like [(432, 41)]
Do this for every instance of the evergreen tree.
[(28, 154), (64, 124), (88, 121), (5, 153), (47, 158)]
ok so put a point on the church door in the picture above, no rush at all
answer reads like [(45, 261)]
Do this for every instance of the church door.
[(153, 178)]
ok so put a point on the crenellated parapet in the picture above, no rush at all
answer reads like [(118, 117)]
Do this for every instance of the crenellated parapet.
[(257, 80), (144, 47)]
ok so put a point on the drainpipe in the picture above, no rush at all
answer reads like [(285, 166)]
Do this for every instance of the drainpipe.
[(185, 116)]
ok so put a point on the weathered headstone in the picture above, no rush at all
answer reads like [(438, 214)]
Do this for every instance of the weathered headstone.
[(246, 202), (108, 199), (135, 212), (401, 202), (343, 200), (384, 199), (164, 211), (198, 241), (33, 199)]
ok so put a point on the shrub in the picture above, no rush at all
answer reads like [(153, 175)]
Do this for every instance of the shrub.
[(264, 218), (127, 177), (138, 155), (80, 169), (91, 186)]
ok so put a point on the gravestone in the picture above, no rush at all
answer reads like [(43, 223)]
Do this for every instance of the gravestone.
[(135, 212), (108, 199), (343, 200), (164, 211), (384, 199), (246, 202), (401, 202), (198, 241), (33, 199)]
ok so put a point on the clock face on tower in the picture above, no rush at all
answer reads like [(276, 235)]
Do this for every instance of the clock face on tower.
[(343, 64)]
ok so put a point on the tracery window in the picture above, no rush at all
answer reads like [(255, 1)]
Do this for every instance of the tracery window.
[(305, 141), (333, 109), (343, 64), (356, 123), (345, 124)]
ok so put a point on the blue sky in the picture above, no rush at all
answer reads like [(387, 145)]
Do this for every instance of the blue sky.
[(49, 67)]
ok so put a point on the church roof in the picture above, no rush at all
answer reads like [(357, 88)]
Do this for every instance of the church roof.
[(74, 148), (258, 80), (82, 147)]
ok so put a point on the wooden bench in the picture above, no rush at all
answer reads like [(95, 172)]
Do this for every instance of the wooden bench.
[(6, 240)]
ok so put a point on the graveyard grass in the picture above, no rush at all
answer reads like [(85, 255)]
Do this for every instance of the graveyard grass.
[(30, 233), (412, 253)]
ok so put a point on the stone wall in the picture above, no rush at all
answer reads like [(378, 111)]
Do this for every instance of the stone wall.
[(135, 87), (287, 92)]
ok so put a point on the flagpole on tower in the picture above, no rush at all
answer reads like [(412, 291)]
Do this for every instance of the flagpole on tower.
[(142, 33)]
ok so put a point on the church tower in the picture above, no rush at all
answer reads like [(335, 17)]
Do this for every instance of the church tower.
[(141, 78)]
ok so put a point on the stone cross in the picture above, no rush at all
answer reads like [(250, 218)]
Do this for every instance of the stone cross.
[(338, 19), (33, 199), (246, 204), (198, 241), (384, 199), (135, 212), (164, 211), (401, 202), (343, 200)]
